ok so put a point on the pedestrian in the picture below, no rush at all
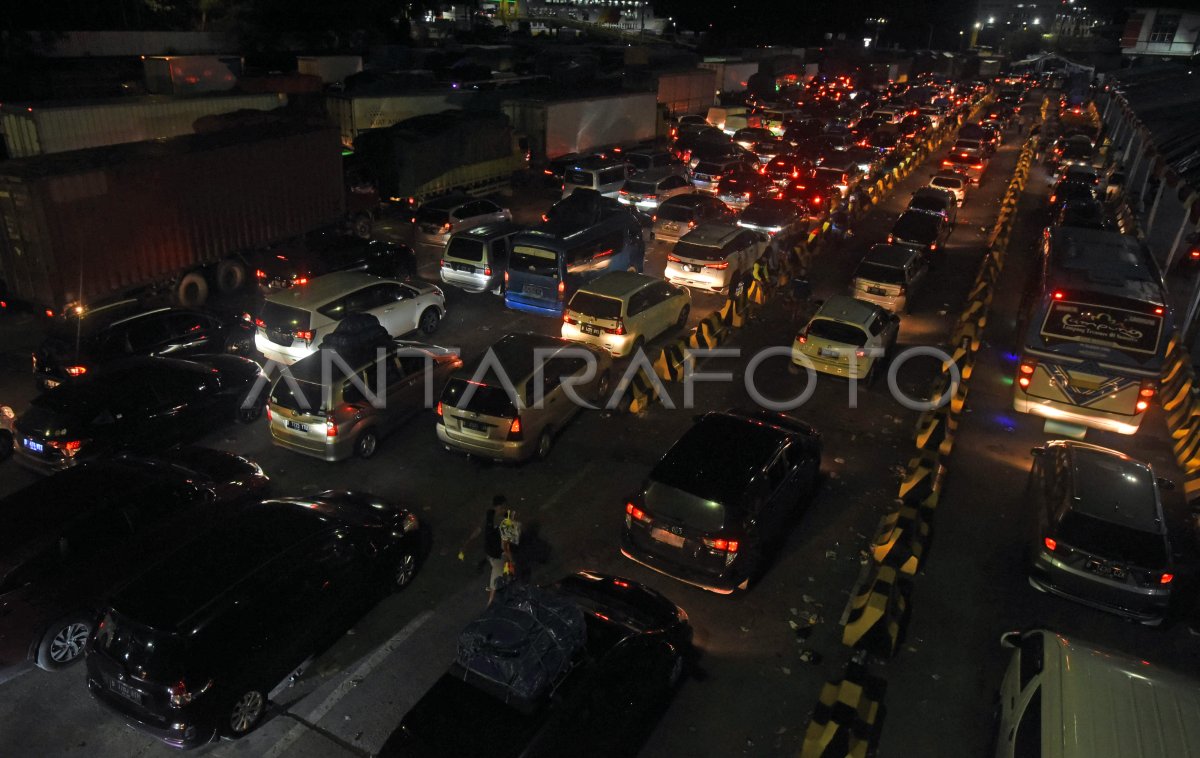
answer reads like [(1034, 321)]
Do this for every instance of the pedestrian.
[(497, 548)]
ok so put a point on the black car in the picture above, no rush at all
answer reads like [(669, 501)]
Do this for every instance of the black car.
[(814, 194), (1084, 213), (925, 232), (142, 404), (722, 497), (77, 344), (191, 648), (614, 685), (70, 539), (784, 168), (773, 216), (328, 251)]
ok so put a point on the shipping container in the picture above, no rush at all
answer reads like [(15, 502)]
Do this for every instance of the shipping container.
[(85, 226), (684, 92), (354, 114), (36, 128), (554, 128), (191, 74), (287, 84), (331, 69), (732, 75)]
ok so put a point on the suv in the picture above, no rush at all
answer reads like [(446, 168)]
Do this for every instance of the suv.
[(921, 231), (646, 159), (71, 538), (437, 219), (847, 337), (479, 414), (1100, 538), (953, 183), (888, 276), (621, 311), (707, 173), (722, 496), (682, 213), (292, 322), (714, 257), (476, 259), (773, 216), (932, 200), (739, 189), (647, 189), (77, 344), (191, 648)]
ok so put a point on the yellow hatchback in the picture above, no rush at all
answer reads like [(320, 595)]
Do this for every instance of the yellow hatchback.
[(847, 337)]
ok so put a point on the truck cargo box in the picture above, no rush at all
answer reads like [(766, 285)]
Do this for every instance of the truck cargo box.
[(85, 225), (557, 127), (56, 127), (732, 75), (684, 92), (332, 69), (190, 74), (355, 114)]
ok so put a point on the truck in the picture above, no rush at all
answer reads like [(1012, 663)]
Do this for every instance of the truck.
[(171, 216), (355, 114), (332, 69), (190, 74), (473, 152), (554, 128), (684, 92), (55, 127), (732, 75)]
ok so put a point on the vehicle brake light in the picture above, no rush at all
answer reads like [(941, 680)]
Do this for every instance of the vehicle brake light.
[(260, 274), (724, 545), (1146, 391), (446, 227), (720, 266), (802, 337), (568, 320), (268, 411), (1158, 311), (1051, 544), (891, 238), (67, 447), (179, 695), (636, 513), (1059, 295), (260, 323), (331, 429), (438, 410), (1166, 579), (303, 334), (514, 429), (675, 258), (977, 165), (618, 330), (302, 280), (562, 289), (1195, 253), (76, 370), (506, 277), (487, 270), (933, 246)]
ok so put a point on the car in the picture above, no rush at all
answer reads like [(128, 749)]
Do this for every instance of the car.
[(79, 343), (647, 159), (141, 404), (766, 149), (889, 276), (847, 337), (324, 252), (618, 672), (935, 115), (437, 219), (813, 194), (714, 257), (976, 148), (70, 539), (951, 182), (621, 311), (913, 127), (511, 402), (682, 213), (191, 648), (646, 190), (1001, 114), (1070, 193), (1084, 213), (706, 174), (475, 260), (752, 134), (921, 231), (970, 167), (773, 216), (868, 160), (842, 174), (740, 188), (1099, 535), (720, 501), (933, 200), (989, 137), (782, 169), (291, 323)]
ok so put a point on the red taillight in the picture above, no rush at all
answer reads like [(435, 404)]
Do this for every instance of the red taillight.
[(506, 277), (303, 334), (446, 227), (1059, 295), (1142, 405), (619, 330), (545, 217), (1051, 544), (622, 192), (636, 513), (724, 545), (49, 313), (891, 238), (260, 274), (719, 266), (1195, 253), (302, 280), (76, 370), (933, 246), (547, 172), (331, 429), (438, 410), (1166, 579), (802, 337), (691, 225), (260, 323), (268, 411), (514, 429), (977, 165), (1025, 370), (1146, 391), (1158, 311), (562, 289), (675, 258), (487, 270)]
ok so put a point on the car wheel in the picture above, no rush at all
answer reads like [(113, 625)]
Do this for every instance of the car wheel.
[(684, 312), (545, 442), (64, 643), (366, 445), (405, 570), (603, 385), (428, 322), (245, 713), (362, 226), (192, 290)]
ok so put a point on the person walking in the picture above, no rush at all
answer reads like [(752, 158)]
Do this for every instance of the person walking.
[(496, 546)]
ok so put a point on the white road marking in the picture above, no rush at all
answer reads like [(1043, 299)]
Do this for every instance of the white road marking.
[(350, 682), (570, 485)]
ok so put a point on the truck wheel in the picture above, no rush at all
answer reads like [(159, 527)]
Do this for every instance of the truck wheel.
[(192, 290), (361, 225), (231, 275)]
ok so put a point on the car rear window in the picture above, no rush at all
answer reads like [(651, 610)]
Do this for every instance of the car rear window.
[(596, 306), (696, 512), (533, 260), (691, 250), (878, 272), (465, 249), (833, 175), (837, 331), (1108, 540), (927, 203), (579, 176), (304, 397), (705, 167), (477, 397), (50, 421), (640, 188), (947, 183), (283, 318), (672, 212), (160, 655), (437, 216)]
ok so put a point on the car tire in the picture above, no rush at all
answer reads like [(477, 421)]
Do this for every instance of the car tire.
[(545, 444), (428, 322), (244, 713), (367, 444), (64, 642), (684, 312), (603, 387), (361, 226), (675, 673), (192, 290), (404, 571)]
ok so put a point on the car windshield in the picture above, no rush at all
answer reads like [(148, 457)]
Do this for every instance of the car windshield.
[(879, 272), (837, 331), (831, 175), (672, 212), (696, 252), (927, 203), (596, 306), (437, 216), (640, 188), (705, 167), (465, 249), (1108, 540), (477, 397), (157, 655), (533, 260), (767, 212), (283, 318)]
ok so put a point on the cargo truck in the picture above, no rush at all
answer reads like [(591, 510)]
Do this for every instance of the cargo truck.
[(355, 114), (683, 92), (554, 128), (732, 75), (171, 216)]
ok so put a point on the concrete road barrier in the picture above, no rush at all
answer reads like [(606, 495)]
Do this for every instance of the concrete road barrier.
[(877, 613), (845, 723)]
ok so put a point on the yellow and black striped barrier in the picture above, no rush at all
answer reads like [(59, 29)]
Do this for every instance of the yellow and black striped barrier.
[(877, 613), (674, 361), (845, 722), (901, 539)]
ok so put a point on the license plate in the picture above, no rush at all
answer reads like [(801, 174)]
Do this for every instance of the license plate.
[(532, 291), (33, 445), (50, 383), (665, 537), (124, 690), (876, 291), (827, 352), (693, 269), (591, 329), (463, 267), (475, 426), (297, 426)]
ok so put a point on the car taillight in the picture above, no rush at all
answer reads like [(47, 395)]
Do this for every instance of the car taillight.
[(67, 447), (76, 370), (562, 289), (891, 238), (487, 270), (303, 334), (1050, 544), (179, 695), (802, 337), (1166, 579), (719, 543), (618, 330), (514, 429), (622, 192), (445, 263), (1058, 295), (268, 411), (675, 258), (719, 266), (260, 274), (933, 246), (260, 323), (438, 410), (635, 513), (446, 227), (506, 277), (331, 429), (1195, 253), (649, 197), (568, 320), (1025, 372)]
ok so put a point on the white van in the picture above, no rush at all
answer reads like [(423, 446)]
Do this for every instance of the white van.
[(605, 176), (1065, 699), (728, 119)]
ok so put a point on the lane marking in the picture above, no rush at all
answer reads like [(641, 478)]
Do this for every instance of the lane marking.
[(567, 487), (348, 683)]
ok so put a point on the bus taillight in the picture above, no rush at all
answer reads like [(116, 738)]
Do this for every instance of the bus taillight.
[(1026, 371), (1144, 395)]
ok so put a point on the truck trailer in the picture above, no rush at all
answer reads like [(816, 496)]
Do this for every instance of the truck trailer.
[(554, 128)]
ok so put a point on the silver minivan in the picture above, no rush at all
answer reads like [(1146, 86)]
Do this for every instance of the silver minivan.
[(888, 276), (604, 176), (511, 402), (476, 260)]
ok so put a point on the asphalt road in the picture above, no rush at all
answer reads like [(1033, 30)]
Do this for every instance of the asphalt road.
[(752, 693)]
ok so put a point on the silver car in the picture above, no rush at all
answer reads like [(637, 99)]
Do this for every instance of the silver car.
[(648, 189), (437, 219)]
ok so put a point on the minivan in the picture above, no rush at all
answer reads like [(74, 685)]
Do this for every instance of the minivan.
[(888, 276), (1064, 698), (621, 311), (602, 175), (475, 260), (682, 213), (494, 409)]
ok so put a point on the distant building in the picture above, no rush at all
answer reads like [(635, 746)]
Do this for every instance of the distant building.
[(629, 15), (995, 19), (1161, 33)]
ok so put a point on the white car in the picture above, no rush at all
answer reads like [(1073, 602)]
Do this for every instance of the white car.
[(622, 310), (955, 184), (646, 190), (292, 323), (714, 257)]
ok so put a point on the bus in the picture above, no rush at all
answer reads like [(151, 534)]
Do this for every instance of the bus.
[(1095, 331)]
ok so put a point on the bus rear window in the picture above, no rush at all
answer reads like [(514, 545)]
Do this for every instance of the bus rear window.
[(1103, 325), (533, 260)]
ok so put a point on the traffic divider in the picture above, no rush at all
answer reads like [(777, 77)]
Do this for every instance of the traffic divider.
[(901, 539), (674, 361), (845, 722), (877, 613)]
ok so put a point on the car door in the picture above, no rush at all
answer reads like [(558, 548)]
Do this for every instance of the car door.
[(639, 314), (190, 333), (405, 376), (380, 300), (147, 335), (782, 493)]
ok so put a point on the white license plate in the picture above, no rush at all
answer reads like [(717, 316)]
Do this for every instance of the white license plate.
[(33, 445), (533, 291), (665, 537), (474, 426), (297, 426)]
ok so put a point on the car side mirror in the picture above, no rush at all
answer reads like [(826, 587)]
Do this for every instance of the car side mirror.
[(1164, 484), (1011, 640), (1037, 452)]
